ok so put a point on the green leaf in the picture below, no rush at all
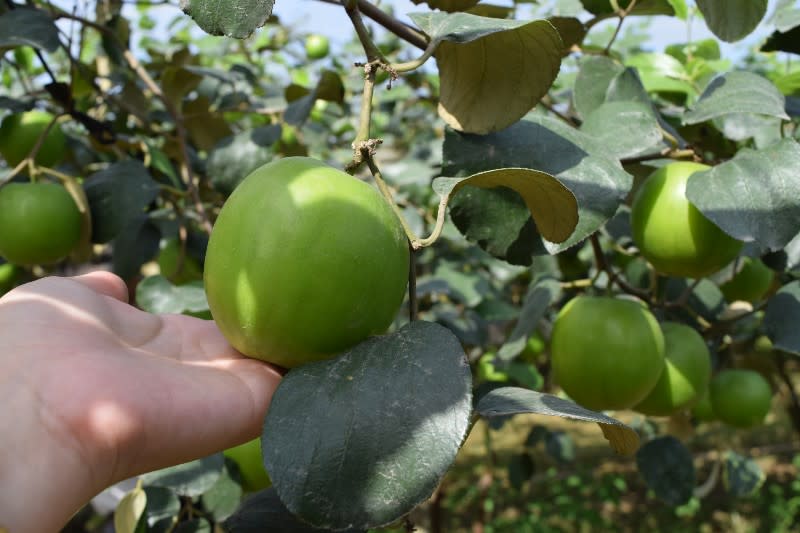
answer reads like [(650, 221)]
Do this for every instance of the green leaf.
[(782, 317), (25, 26), (551, 204), (731, 20), (625, 128), (753, 197), (189, 479), (465, 287), (155, 294), (783, 42), (448, 5), (223, 498), (117, 196), (136, 244), (667, 468), (264, 508), (642, 7), (235, 157), (163, 506), (129, 512), (741, 475), (507, 401), (592, 81), (786, 15), (360, 440), (541, 293), (661, 73), (571, 30), (232, 18), (492, 71), (737, 92), (498, 220)]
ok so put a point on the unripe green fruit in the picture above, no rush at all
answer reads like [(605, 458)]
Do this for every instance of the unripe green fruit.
[(19, 133), (9, 274), (247, 457), (673, 234), (740, 398), (751, 283), (168, 259), (304, 262), (702, 410), (40, 224), (686, 373), (317, 46), (607, 353)]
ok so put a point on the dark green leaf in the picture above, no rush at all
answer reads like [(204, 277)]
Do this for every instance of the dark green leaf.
[(782, 318), (222, 499), (506, 401), (264, 511), (360, 440), (753, 197), (741, 475), (117, 196), (448, 5), (520, 470), (667, 468), (468, 288), (559, 446), (235, 157), (189, 479), (499, 220), (25, 26), (135, 245), (541, 294), (642, 7), (232, 18), (783, 42), (737, 92), (705, 298), (163, 505), (731, 20)]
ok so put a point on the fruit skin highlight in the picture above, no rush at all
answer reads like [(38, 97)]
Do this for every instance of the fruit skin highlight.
[(20, 132), (40, 224), (740, 398), (607, 353), (686, 373), (304, 262), (674, 235)]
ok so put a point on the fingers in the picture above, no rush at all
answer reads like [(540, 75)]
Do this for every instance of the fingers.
[(105, 283)]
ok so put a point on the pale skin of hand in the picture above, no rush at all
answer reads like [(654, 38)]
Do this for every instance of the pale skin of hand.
[(94, 391)]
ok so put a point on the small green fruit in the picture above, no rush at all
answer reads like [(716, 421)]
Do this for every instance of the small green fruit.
[(19, 133), (740, 398), (317, 46)]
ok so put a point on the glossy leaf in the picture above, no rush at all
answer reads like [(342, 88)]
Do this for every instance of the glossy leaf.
[(189, 479), (667, 468), (731, 20), (782, 317), (507, 401), (492, 71), (753, 197), (232, 18), (737, 92), (360, 440), (552, 205)]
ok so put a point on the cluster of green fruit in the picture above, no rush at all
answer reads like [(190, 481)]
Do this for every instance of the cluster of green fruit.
[(611, 353)]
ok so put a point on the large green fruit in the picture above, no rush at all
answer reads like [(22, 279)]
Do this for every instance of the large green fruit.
[(19, 133), (686, 373), (304, 262), (247, 457), (317, 46), (39, 223), (607, 353), (751, 283), (672, 233), (740, 398)]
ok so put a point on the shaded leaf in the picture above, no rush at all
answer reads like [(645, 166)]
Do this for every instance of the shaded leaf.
[(492, 71), (232, 18), (506, 401), (189, 479), (223, 498), (235, 157), (642, 7), (264, 509), (731, 20), (667, 468), (741, 475), (592, 81), (360, 440), (571, 30), (782, 317), (448, 5), (783, 42), (552, 205), (136, 244), (737, 92), (541, 293), (25, 26), (753, 197)]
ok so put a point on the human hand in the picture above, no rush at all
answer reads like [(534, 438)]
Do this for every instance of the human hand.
[(95, 391)]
